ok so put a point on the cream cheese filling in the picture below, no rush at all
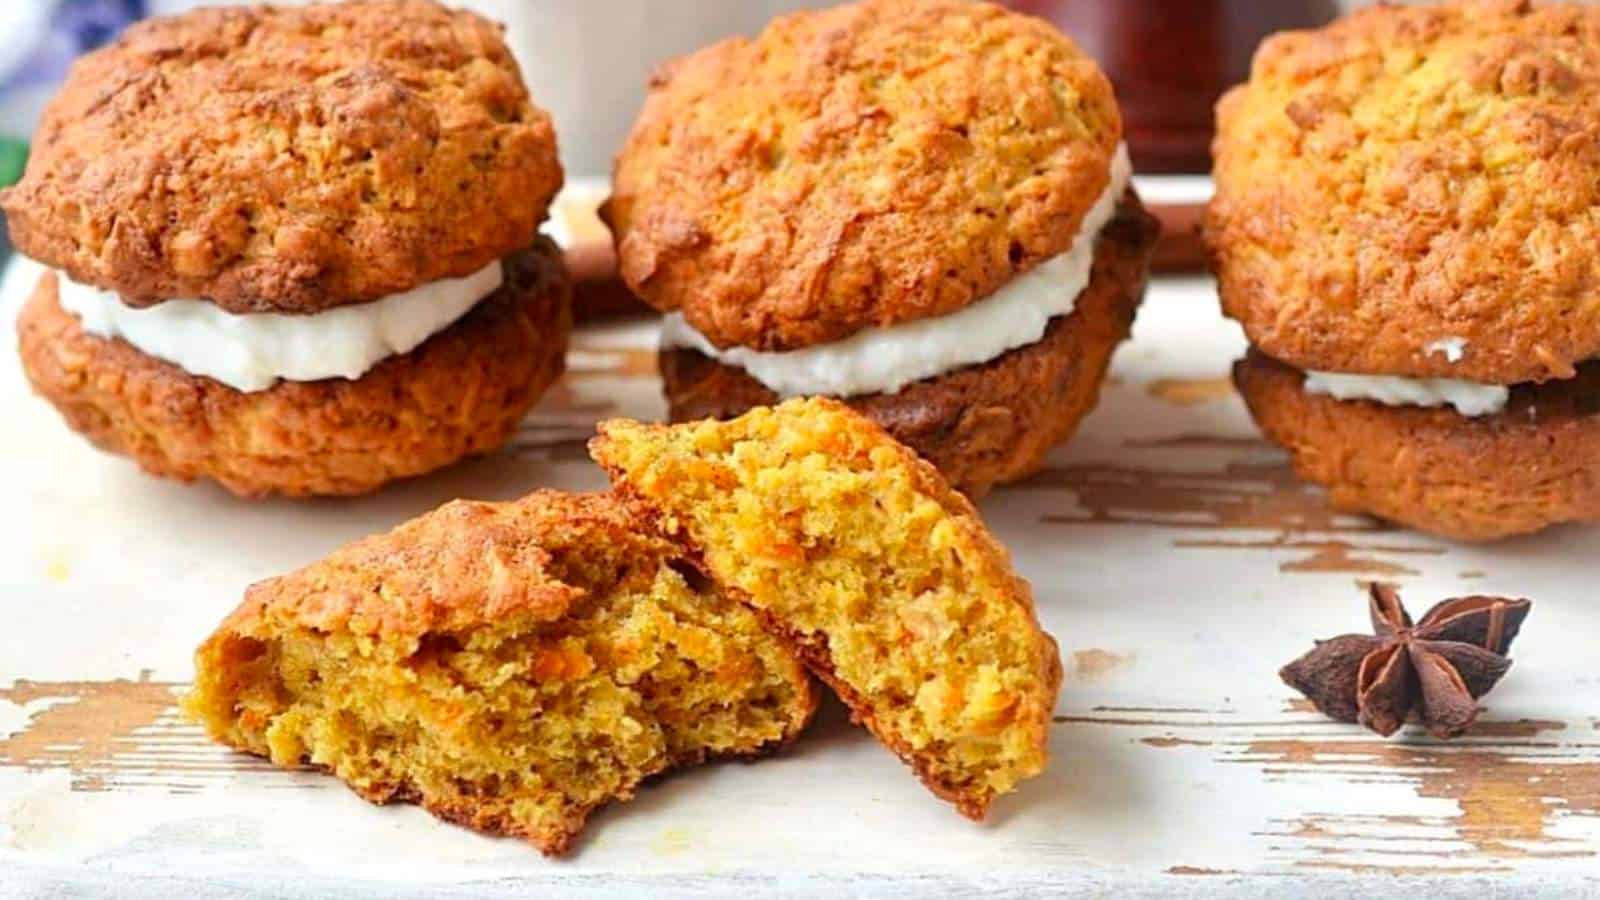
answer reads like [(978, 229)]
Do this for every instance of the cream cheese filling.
[(885, 360), (1470, 398), (254, 351)]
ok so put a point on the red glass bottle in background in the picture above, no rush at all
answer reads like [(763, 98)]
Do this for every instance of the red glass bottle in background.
[(1171, 59)]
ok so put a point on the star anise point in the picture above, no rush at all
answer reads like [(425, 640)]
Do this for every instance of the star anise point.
[(1435, 668)]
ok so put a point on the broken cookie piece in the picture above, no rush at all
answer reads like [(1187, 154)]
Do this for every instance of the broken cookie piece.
[(509, 666), (883, 578)]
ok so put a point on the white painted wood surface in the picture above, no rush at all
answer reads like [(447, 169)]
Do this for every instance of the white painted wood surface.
[(1173, 556)]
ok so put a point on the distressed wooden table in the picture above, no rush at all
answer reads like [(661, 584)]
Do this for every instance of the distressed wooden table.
[(1173, 554)]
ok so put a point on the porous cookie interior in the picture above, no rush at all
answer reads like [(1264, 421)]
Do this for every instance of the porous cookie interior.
[(519, 726), (892, 590)]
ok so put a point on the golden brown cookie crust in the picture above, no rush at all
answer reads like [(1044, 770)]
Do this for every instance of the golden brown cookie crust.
[(462, 393), (440, 571), (287, 159), (1410, 175), (1535, 465), (874, 163), (988, 424)]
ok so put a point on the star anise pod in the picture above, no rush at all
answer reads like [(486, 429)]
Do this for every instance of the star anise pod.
[(1437, 668)]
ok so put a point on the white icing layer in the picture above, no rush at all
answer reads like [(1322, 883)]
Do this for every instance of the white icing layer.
[(252, 352), (1469, 398), (885, 360)]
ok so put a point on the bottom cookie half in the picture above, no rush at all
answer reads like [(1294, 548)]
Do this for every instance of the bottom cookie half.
[(1535, 465), (461, 393), (988, 424)]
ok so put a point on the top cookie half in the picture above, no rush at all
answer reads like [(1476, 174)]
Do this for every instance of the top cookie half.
[(861, 166), (287, 159), (1410, 181)]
